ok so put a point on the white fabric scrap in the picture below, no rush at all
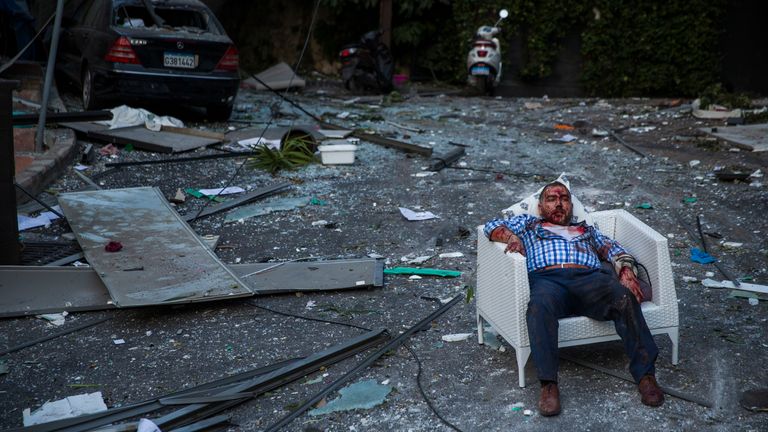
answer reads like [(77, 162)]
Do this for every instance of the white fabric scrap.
[(68, 407), (125, 116), (417, 216)]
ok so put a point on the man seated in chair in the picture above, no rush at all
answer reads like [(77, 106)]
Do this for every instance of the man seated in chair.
[(566, 279)]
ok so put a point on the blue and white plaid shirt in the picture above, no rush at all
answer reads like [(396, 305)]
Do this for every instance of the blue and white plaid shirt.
[(544, 248)]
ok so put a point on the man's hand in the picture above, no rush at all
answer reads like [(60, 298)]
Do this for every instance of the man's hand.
[(629, 280), (514, 244), (504, 235)]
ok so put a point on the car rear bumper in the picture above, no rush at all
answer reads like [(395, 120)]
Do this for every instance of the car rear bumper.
[(199, 90)]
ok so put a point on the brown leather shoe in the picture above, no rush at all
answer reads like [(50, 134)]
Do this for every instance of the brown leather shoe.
[(549, 403), (651, 393)]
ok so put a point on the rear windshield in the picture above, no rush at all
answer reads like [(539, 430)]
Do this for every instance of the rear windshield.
[(177, 18)]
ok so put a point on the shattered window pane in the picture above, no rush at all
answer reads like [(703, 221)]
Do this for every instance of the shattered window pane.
[(185, 19)]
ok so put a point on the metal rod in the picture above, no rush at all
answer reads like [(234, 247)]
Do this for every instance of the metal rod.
[(273, 379), (90, 421), (726, 274), (669, 391), (624, 143), (204, 424), (49, 208), (10, 253), (299, 107), (54, 336), (394, 343), (49, 75), (701, 234), (180, 160), (54, 117)]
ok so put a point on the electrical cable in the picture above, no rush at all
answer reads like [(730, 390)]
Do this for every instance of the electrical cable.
[(407, 346), (424, 394), (272, 118), (288, 314)]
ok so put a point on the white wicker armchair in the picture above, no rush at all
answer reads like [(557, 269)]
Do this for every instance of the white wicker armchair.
[(503, 292)]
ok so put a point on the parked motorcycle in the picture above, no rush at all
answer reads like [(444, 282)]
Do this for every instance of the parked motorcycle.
[(367, 64), (484, 58)]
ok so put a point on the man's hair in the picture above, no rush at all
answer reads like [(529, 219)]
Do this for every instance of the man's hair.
[(549, 185)]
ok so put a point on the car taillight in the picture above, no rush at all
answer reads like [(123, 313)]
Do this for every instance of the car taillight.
[(122, 52), (482, 53), (347, 52), (230, 61)]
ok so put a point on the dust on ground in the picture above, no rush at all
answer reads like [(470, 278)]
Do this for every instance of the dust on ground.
[(511, 150)]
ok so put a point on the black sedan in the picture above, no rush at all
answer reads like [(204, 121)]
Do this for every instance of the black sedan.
[(138, 51)]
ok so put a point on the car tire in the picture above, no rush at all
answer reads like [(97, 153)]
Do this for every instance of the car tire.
[(219, 112), (90, 102)]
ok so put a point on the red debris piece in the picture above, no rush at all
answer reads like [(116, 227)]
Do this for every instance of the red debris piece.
[(113, 246)]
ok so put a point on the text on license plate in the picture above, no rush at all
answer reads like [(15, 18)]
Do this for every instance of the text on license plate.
[(176, 60), (481, 70)]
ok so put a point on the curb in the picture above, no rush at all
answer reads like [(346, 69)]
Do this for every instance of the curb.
[(48, 166)]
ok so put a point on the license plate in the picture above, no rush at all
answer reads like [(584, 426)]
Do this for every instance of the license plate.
[(183, 61), (480, 70)]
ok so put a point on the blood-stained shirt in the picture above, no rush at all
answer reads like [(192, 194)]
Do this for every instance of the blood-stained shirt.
[(544, 247)]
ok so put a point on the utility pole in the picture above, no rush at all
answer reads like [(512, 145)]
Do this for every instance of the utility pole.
[(385, 22), (9, 229)]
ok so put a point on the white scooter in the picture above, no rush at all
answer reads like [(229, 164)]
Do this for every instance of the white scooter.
[(484, 59)]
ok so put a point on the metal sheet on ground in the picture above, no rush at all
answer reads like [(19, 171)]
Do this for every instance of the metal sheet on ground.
[(162, 261), (161, 141), (751, 137), (27, 290), (311, 276)]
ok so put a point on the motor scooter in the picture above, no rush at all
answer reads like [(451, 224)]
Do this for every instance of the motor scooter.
[(367, 64), (484, 58)]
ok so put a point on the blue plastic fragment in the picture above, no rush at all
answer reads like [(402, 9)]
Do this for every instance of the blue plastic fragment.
[(701, 257), (364, 395)]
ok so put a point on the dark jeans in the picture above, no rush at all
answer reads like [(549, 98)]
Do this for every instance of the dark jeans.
[(597, 294)]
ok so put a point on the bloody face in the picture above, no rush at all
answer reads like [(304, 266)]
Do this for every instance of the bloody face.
[(555, 205)]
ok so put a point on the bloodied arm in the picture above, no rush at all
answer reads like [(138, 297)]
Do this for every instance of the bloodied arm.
[(503, 234), (624, 263), (508, 231)]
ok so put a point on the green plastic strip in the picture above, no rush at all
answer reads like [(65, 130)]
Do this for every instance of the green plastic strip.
[(422, 271)]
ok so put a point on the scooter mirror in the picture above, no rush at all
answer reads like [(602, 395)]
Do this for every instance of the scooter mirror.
[(503, 13)]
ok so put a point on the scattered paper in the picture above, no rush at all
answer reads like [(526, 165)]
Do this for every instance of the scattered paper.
[(451, 255), (418, 260), (81, 167), (457, 337), (147, 425), (71, 406), (222, 191), (43, 219), (118, 341), (55, 319), (257, 141), (567, 138), (743, 286), (417, 216)]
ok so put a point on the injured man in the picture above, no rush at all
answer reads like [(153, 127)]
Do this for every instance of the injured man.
[(566, 278)]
